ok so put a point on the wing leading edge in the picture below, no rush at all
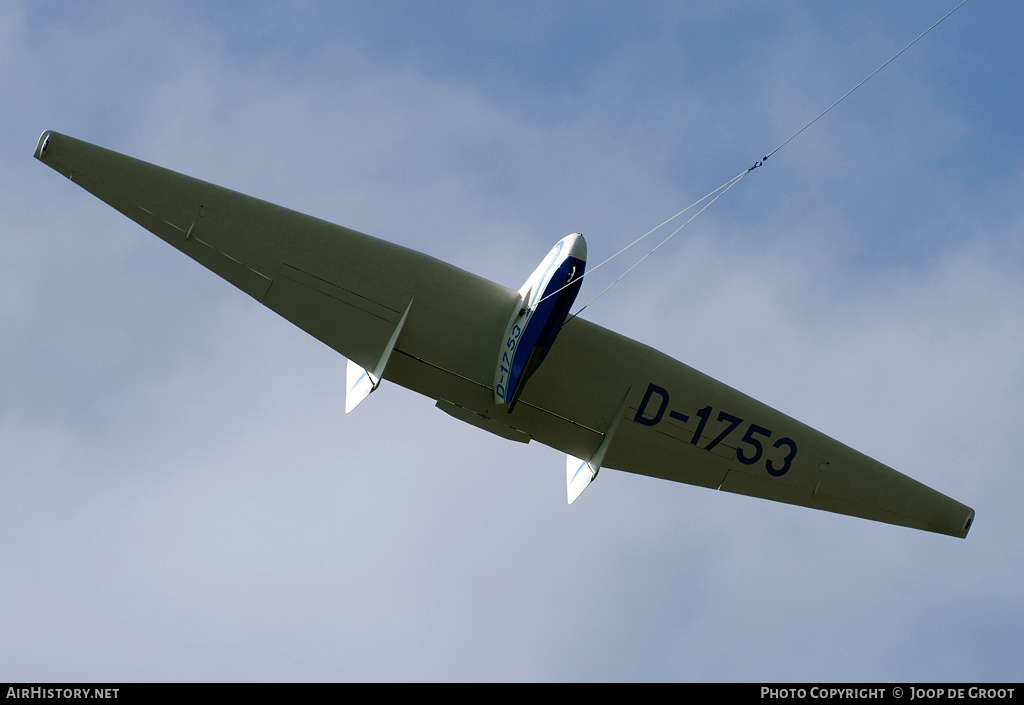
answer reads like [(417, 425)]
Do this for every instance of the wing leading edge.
[(355, 293)]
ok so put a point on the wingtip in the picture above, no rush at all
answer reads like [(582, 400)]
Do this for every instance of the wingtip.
[(968, 522)]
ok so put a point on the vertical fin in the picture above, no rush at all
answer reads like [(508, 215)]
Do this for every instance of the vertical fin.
[(578, 476), (360, 382), (358, 385), (580, 473)]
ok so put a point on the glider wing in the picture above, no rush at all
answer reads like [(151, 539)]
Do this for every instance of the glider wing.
[(400, 315)]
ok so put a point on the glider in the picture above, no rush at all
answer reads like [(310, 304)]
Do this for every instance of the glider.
[(510, 362)]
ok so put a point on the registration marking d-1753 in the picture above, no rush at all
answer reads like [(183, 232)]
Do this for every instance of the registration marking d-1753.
[(753, 437)]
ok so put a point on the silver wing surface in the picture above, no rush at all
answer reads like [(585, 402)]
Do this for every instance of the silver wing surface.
[(363, 296)]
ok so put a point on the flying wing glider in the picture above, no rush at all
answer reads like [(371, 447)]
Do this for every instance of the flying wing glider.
[(506, 361)]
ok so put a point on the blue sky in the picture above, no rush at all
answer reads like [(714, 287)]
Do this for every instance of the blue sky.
[(183, 498)]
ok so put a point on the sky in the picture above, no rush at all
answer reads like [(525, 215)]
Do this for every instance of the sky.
[(183, 498)]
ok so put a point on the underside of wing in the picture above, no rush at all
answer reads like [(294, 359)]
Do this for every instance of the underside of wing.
[(347, 289), (404, 316), (681, 425)]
